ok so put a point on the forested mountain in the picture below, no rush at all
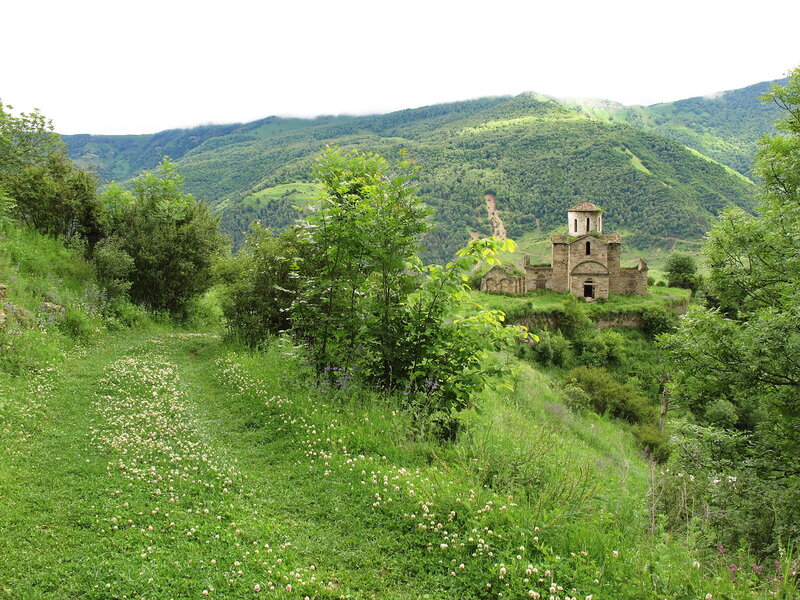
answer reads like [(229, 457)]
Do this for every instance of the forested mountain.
[(538, 155), (724, 126)]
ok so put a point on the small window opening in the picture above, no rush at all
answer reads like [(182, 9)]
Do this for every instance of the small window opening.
[(587, 225), (588, 248), (576, 225)]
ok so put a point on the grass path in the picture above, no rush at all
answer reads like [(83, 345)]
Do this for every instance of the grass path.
[(133, 472), (157, 465)]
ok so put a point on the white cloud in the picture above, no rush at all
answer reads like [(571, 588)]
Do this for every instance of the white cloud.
[(128, 67)]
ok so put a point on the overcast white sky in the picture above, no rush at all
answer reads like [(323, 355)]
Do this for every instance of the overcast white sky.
[(118, 66)]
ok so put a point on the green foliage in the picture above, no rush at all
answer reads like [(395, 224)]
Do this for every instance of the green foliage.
[(171, 238), (653, 441), (263, 284), (553, 349), (574, 322), (608, 396), (605, 347), (366, 305), (738, 362), (26, 140), (657, 320), (354, 278), (113, 267), (681, 271), (446, 361), (39, 185)]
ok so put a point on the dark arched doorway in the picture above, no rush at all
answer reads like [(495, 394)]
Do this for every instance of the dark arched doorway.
[(588, 289)]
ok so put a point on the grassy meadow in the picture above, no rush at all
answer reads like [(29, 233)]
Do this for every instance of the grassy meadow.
[(145, 459)]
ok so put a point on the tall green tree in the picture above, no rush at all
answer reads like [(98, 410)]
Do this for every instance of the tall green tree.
[(739, 364), (366, 304), (172, 238), (26, 139), (357, 244), (47, 191), (681, 271)]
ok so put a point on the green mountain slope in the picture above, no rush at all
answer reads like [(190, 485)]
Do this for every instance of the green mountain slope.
[(537, 155), (725, 126)]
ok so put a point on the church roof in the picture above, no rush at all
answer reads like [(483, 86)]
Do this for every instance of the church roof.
[(585, 207)]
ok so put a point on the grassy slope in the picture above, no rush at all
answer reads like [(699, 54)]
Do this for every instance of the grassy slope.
[(159, 463), (105, 492), (724, 126)]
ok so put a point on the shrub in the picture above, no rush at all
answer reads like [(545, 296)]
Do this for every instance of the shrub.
[(113, 267), (721, 413), (77, 325), (574, 320), (608, 396), (657, 320), (553, 349), (576, 399), (604, 347), (258, 302), (653, 441)]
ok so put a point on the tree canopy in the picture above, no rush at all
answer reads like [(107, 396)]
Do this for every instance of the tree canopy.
[(739, 361)]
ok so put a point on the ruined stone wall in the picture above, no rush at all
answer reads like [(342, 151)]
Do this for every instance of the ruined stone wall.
[(632, 281), (499, 281), (560, 279), (538, 278)]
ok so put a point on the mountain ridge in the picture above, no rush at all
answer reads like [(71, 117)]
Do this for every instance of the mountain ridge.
[(537, 154)]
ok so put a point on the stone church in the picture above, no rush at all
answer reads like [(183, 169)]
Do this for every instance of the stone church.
[(585, 262)]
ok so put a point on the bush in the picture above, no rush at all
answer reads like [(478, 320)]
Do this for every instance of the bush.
[(653, 441), (258, 302), (721, 413), (574, 320), (604, 347), (608, 396), (553, 349), (77, 325), (113, 267), (657, 320), (576, 399)]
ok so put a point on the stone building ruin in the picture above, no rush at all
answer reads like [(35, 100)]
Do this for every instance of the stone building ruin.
[(585, 263)]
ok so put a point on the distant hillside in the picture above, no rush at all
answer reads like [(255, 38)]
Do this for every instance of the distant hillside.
[(537, 155), (724, 126)]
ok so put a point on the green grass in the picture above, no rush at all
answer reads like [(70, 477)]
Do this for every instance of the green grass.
[(548, 301), (300, 194), (161, 462), (112, 458)]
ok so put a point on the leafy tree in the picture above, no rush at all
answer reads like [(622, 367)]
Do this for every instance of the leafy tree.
[(739, 364), (367, 303), (45, 189), (263, 281), (58, 199), (25, 140), (681, 271), (171, 238), (357, 246), (444, 360)]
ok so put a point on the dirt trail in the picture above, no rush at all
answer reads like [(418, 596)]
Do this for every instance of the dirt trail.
[(498, 227)]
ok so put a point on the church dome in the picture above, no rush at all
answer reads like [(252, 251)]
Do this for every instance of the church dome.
[(585, 207)]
